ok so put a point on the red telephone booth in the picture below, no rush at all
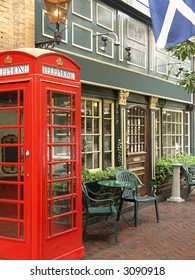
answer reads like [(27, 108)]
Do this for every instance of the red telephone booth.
[(40, 156)]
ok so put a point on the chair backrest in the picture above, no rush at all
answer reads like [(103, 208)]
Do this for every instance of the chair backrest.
[(86, 196), (130, 177), (185, 171)]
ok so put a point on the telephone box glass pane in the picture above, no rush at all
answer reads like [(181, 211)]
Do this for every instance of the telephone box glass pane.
[(8, 191), (8, 117), (8, 229), (61, 135), (61, 188), (61, 206), (61, 224), (9, 210), (8, 99), (61, 153), (61, 117), (61, 100)]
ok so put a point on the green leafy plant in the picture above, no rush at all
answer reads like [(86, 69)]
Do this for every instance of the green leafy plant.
[(188, 81), (164, 167), (163, 170), (183, 50), (93, 176)]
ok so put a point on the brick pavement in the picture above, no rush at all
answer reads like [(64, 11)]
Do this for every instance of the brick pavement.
[(171, 239)]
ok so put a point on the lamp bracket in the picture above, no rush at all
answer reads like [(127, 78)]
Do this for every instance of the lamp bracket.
[(50, 42), (116, 42)]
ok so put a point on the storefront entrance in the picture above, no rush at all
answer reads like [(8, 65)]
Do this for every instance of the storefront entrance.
[(134, 121)]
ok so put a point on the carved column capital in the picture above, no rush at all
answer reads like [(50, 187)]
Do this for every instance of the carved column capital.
[(122, 97), (153, 102)]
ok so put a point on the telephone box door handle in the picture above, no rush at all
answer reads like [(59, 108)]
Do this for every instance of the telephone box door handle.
[(27, 153)]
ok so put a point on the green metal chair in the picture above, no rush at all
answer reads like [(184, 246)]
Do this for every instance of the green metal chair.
[(189, 174), (131, 194), (99, 204)]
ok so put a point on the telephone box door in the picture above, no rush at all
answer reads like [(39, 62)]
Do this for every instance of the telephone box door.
[(15, 188), (62, 206)]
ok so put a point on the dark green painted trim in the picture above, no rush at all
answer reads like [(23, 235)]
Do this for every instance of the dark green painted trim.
[(108, 76)]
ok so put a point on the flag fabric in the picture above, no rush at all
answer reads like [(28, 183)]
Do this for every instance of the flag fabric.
[(173, 21)]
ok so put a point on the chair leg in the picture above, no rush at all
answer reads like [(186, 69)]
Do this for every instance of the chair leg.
[(115, 227), (85, 226), (187, 192), (119, 209), (157, 213), (136, 213)]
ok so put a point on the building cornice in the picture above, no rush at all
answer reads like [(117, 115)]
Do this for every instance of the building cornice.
[(126, 8)]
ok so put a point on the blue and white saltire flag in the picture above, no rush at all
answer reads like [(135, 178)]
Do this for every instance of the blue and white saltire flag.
[(173, 21)]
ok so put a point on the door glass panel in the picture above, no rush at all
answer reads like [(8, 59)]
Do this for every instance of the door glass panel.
[(135, 130), (9, 191), (8, 229), (11, 164), (8, 98), (10, 116), (61, 152), (61, 188), (63, 101), (9, 210), (61, 160), (61, 224), (61, 206), (61, 135), (61, 117)]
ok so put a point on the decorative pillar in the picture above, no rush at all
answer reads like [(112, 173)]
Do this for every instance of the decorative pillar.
[(152, 106), (175, 196)]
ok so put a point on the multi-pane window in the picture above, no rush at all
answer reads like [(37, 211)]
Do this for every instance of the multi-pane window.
[(91, 133), (136, 130), (187, 132), (172, 130), (175, 133), (157, 135), (97, 125), (108, 111)]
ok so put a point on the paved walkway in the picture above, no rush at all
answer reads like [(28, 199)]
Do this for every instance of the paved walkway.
[(171, 239)]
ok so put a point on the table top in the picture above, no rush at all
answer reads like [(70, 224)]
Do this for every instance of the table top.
[(113, 183)]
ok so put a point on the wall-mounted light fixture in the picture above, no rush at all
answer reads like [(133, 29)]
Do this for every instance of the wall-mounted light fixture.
[(128, 53), (105, 42), (57, 11), (161, 102), (104, 38), (180, 70)]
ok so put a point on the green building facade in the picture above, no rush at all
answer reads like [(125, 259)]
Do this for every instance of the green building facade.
[(132, 110)]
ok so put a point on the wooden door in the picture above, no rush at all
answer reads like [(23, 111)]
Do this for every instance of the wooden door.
[(136, 126)]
